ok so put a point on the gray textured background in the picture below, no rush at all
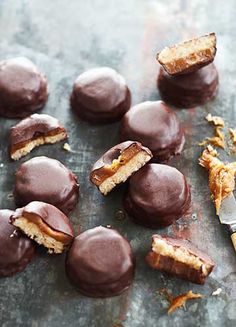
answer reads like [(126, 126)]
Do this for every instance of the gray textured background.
[(64, 38)]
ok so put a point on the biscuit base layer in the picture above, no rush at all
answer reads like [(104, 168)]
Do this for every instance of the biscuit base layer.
[(41, 140), (35, 233), (124, 172)]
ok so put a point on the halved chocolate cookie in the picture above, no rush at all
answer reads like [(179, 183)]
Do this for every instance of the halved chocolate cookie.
[(188, 56), (34, 131), (180, 258), (46, 224), (118, 164)]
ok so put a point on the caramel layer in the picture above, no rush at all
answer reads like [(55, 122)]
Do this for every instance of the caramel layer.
[(46, 229), (20, 145)]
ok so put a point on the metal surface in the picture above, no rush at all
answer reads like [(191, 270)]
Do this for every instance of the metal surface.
[(227, 212), (64, 38)]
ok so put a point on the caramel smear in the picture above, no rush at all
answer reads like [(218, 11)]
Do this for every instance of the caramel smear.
[(221, 176), (216, 120), (180, 300)]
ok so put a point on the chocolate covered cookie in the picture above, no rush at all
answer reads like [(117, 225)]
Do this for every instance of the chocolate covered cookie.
[(100, 96), (23, 88), (189, 90), (16, 250), (156, 126), (47, 180), (100, 263), (157, 196)]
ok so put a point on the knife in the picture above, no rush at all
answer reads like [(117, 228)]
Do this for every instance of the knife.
[(227, 216)]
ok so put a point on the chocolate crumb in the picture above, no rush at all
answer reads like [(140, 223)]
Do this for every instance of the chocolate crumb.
[(120, 215)]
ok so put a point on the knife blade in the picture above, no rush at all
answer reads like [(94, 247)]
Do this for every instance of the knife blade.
[(227, 216)]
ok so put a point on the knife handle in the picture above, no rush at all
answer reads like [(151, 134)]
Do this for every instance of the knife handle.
[(233, 238)]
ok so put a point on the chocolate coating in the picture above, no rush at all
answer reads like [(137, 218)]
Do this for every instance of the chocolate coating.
[(100, 96), (189, 90), (156, 126), (23, 89), (47, 180), (157, 196), (100, 263), (16, 250), (49, 214)]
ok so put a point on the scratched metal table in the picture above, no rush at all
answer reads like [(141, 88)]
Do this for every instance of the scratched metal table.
[(64, 38)]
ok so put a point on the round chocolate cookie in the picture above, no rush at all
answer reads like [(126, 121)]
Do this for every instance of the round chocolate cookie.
[(156, 126), (191, 89), (157, 196), (47, 180), (100, 263), (100, 96), (16, 250), (23, 89)]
